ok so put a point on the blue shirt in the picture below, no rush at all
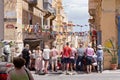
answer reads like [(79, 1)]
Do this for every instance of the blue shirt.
[(99, 54)]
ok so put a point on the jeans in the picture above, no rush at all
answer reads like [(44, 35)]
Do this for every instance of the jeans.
[(100, 66), (79, 63)]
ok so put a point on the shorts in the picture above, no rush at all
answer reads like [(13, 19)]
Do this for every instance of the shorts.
[(45, 59), (72, 60), (89, 60), (54, 61), (66, 60)]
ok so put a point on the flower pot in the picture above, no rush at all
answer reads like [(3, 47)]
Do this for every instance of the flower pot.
[(113, 66)]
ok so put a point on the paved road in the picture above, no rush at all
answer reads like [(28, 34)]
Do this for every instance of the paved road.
[(106, 75)]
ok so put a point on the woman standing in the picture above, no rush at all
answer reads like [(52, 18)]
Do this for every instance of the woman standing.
[(38, 60), (46, 57), (89, 57), (99, 58), (54, 56)]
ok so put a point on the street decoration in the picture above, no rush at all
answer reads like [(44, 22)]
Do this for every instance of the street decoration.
[(46, 30)]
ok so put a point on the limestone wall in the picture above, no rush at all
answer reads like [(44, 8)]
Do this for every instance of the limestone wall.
[(108, 26)]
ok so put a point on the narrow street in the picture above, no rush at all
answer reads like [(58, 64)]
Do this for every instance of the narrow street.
[(52, 35), (106, 75)]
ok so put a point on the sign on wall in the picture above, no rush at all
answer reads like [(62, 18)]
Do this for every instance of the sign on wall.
[(10, 26)]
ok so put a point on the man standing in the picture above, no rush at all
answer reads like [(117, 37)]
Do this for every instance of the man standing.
[(66, 56), (80, 56), (26, 55)]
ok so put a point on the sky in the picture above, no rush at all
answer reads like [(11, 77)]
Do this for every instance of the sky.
[(77, 11)]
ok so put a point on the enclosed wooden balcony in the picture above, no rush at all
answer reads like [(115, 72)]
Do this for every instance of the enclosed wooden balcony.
[(32, 2), (92, 7), (91, 21), (47, 5)]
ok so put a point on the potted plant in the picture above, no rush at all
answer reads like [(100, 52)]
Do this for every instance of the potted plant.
[(112, 50)]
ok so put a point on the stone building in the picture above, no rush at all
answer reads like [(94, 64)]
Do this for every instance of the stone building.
[(25, 22), (19, 17), (49, 17), (104, 22), (58, 23)]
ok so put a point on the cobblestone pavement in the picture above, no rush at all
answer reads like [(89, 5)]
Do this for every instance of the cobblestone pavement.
[(106, 75)]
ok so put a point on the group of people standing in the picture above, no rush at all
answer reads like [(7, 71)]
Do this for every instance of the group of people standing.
[(71, 59), (78, 59), (40, 59), (82, 59)]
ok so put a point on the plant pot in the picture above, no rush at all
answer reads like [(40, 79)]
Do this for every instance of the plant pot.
[(113, 66)]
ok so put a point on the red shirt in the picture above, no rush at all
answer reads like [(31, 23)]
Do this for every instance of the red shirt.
[(66, 51)]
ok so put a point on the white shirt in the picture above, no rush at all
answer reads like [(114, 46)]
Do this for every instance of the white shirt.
[(46, 53)]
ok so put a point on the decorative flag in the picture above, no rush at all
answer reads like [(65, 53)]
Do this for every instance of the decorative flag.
[(78, 25)]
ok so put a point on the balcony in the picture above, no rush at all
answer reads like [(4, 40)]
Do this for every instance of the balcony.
[(53, 15), (32, 2), (47, 5), (92, 7), (92, 4), (92, 12), (91, 21)]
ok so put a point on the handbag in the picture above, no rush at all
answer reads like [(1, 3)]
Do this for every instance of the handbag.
[(93, 60)]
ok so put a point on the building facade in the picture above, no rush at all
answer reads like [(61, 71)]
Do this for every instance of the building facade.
[(35, 21), (28, 21), (20, 17), (59, 26), (49, 17), (104, 22)]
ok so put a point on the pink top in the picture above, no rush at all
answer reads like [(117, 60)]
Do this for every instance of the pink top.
[(54, 52), (89, 52), (73, 52)]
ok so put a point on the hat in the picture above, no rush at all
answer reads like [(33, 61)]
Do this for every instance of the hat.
[(89, 45), (99, 46)]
